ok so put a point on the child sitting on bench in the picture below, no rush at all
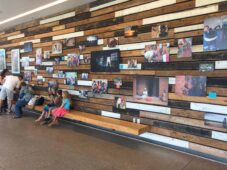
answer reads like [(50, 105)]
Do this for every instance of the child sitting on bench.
[(62, 110), (56, 101)]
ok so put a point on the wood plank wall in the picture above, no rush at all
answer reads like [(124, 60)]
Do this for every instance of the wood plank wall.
[(182, 122)]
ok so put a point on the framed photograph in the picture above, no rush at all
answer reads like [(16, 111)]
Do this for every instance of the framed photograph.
[(73, 60), (118, 82), (27, 75), (105, 61), (28, 47), (57, 48), (83, 94), (215, 33), (70, 42), (157, 53), (40, 80), (50, 70), (87, 59), (206, 67), (184, 48), (71, 78), (159, 31), (131, 31), (112, 42), (46, 54), (61, 74), (120, 102), (15, 60), (39, 56), (81, 48), (99, 86), (25, 61), (132, 63), (2, 59), (190, 85), (52, 84), (151, 90), (57, 60), (84, 76), (92, 40)]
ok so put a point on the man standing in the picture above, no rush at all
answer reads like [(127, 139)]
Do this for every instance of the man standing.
[(10, 82)]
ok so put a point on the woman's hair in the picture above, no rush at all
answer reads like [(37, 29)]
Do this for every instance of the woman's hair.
[(23, 83), (4, 72), (67, 95), (59, 92)]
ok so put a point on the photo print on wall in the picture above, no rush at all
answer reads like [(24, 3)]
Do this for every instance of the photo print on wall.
[(46, 54), (71, 78), (112, 42), (184, 48), (57, 48), (157, 53), (15, 60), (92, 40), (40, 80), (130, 31), (118, 82), (120, 102), (2, 59), (206, 67), (83, 94), (84, 76), (38, 56), (52, 84), (49, 70), (87, 59), (159, 31), (28, 47), (69, 42), (190, 85), (27, 75), (25, 61), (105, 61), (215, 33), (99, 86), (150, 89), (73, 60)]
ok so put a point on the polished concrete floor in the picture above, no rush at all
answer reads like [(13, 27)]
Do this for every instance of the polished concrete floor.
[(26, 146)]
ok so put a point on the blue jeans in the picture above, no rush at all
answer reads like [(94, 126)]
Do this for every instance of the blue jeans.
[(18, 107)]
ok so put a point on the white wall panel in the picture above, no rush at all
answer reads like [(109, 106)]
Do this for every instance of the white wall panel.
[(151, 108), (209, 108), (180, 15), (144, 7), (165, 139), (111, 114)]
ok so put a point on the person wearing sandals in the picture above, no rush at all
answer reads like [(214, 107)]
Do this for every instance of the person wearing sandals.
[(56, 101), (62, 110), (25, 95)]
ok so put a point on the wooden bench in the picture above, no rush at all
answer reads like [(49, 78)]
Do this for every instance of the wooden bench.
[(101, 121)]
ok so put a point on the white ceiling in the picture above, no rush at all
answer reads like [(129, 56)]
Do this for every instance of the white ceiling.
[(11, 8)]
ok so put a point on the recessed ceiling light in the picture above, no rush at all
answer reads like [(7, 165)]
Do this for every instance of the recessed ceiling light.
[(33, 11)]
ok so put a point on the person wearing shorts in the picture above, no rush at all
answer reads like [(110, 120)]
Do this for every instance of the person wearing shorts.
[(10, 82)]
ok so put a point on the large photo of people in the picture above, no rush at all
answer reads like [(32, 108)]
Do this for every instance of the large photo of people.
[(191, 85), (150, 89), (157, 53), (215, 33), (99, 86), (73, 60), (105, 61), (184, 48), (71, 78)]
